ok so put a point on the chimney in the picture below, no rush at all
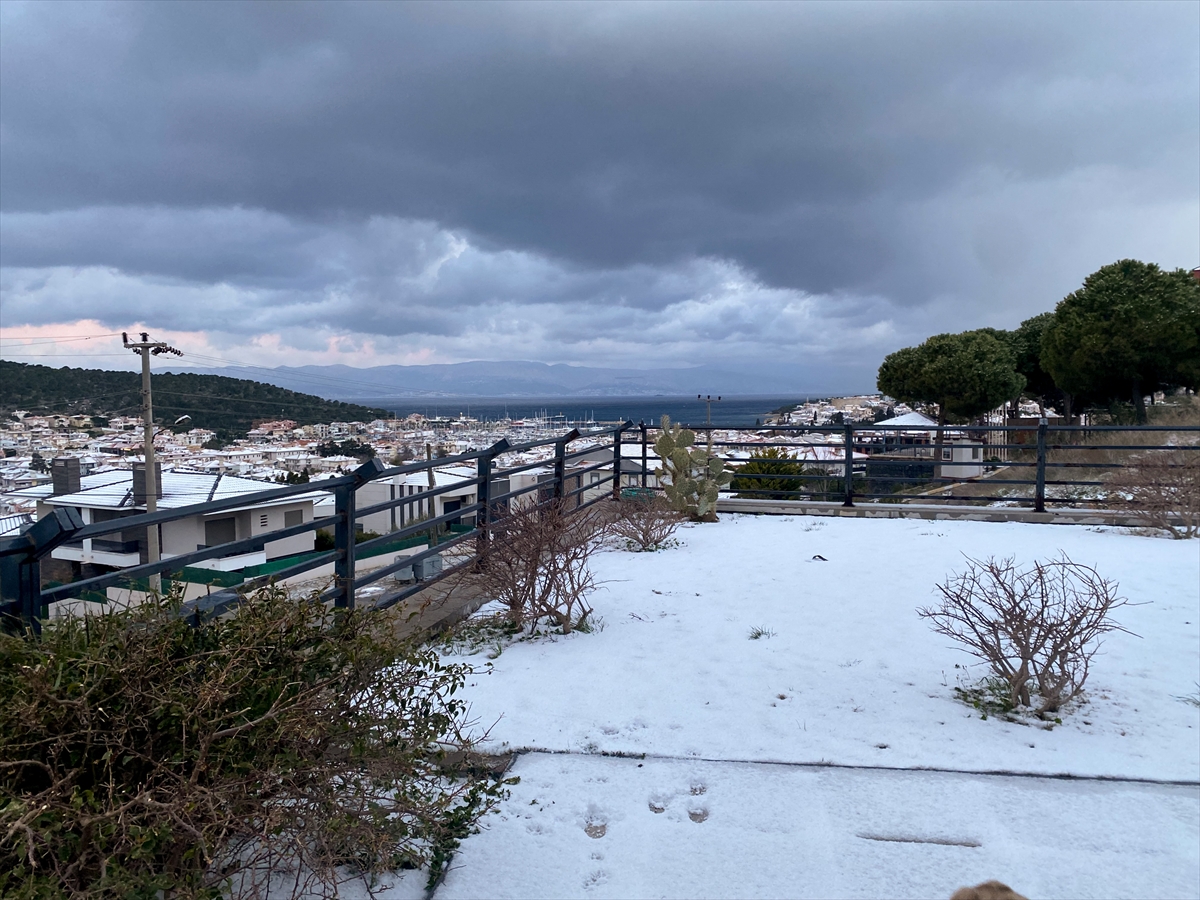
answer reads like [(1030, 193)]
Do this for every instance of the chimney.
[(64, 474), (139, 482)]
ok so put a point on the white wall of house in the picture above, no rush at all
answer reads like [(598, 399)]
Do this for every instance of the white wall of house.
[(962, 459), (275, 518), (405, 513), (182, 535)]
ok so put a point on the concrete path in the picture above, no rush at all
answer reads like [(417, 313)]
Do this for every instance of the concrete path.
[(591, 826)]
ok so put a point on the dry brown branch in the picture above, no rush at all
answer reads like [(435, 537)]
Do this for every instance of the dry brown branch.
[(643, 525), (1162, 488), (1037, 628), (536, 563)]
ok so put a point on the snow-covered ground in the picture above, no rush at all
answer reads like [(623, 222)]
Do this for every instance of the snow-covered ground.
[(848, 676)]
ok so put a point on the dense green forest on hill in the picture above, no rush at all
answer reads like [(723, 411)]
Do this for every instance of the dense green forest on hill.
[(228, 406)]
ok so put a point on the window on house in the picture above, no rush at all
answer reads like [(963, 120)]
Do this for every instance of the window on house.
[(595, 477), (220, 531), (293, 517), (947, 454), (974, 453)]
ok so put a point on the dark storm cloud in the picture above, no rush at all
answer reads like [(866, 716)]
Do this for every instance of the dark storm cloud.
[(319, 158)]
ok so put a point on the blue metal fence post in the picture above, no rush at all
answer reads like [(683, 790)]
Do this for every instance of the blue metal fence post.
[(483, 518), (345, 532), (343, 543), (848, 475), (1039, 490), (616, 486), (560, 468), (560, 465), (642, 425)]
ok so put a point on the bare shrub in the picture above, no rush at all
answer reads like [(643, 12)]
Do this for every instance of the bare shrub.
[(537, 563), (645, 524), (1162, 488), (1038, 628), (140, 755)]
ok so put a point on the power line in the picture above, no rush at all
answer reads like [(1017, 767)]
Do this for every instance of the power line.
[(34, 340), (59, 355)]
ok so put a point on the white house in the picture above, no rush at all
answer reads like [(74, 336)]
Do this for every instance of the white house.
[(461, 492), (106, 496), (962, 458)]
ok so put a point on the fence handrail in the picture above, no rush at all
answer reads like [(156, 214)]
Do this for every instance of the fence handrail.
[(21, 555), (852, 445)]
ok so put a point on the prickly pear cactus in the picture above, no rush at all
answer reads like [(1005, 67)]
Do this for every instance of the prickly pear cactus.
[(691, 476)]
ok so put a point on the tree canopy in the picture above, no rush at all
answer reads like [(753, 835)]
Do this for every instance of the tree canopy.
[(1130, 330), (1027, 345), (965, 374), (779, 465)]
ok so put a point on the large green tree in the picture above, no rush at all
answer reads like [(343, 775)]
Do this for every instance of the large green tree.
[(965, 375), (1027, 344), (1130, 330), (769, 474)]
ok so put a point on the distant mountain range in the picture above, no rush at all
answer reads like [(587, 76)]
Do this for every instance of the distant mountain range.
[(533, 379)]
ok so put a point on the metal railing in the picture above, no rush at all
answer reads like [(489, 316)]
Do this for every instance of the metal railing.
[(1022, 465), (23, 595)]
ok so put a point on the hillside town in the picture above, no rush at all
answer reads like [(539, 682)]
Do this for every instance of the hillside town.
[(278, 450)]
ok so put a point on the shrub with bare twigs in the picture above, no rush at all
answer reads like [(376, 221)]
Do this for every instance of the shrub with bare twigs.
[(1162, 488), (287, 743), (537, 563), (645, 524), (1038, 628)]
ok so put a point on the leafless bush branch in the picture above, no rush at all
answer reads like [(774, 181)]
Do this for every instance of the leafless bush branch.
[(1162, 488), (537, 563), (643, 525), (1038, 628)]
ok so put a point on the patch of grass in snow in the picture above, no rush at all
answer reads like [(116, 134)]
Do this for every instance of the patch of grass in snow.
[(589, 624), (1191, 699), (490, 634), (991, 697), (477, 634), (758, 632)]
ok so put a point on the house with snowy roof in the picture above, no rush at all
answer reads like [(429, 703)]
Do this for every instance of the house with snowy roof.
[(104, 496)]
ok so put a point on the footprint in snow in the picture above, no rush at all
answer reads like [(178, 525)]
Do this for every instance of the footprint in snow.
[(595, 830), (596, 879)]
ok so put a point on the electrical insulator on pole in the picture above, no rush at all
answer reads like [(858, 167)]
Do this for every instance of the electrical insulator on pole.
[(147, 348)]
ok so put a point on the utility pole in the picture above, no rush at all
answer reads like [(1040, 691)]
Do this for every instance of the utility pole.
[(147, 348), (709, 400)]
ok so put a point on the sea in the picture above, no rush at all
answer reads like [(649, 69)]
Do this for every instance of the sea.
[(728, 411)]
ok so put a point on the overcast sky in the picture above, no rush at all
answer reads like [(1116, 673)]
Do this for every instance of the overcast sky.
[(605, 184)]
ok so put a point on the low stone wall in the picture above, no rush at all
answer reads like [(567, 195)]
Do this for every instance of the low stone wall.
[(929, 511)]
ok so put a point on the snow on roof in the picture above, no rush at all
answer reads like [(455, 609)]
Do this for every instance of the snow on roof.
[(912, 419), (114, 490)]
